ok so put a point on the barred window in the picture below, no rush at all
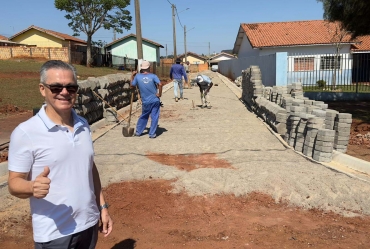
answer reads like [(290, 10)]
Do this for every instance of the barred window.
[(304, 64), (329, 63)]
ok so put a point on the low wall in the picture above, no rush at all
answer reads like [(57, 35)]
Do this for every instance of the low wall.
[(337, 96), (35, 52), (113, 88)]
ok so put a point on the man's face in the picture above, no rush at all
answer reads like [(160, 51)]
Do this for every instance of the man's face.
[(63, 100)]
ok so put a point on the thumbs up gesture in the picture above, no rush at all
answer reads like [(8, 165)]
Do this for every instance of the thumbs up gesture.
[(41, 184)]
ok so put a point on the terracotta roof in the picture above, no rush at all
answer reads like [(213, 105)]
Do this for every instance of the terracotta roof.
[(194, 55), (3, 38), (363, 45), (50, 32), (297, 33), (132, 35)]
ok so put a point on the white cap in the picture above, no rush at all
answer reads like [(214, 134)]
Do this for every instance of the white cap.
[(199, 78), (145, 65)]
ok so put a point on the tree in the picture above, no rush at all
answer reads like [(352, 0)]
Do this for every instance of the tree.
[(338, 36), (354, 14), (88, 16)]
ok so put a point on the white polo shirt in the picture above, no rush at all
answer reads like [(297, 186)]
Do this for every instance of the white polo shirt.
[(70, 206)]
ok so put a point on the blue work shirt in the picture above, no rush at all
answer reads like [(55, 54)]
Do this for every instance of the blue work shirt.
[(147, 84), (177, 71)]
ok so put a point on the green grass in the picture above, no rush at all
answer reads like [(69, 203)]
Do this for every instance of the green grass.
[(19, 81)]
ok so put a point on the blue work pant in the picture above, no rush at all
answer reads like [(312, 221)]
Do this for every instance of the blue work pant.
[(151, 109), (178, 84)]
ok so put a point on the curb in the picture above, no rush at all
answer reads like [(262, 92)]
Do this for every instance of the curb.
[(352, 162)]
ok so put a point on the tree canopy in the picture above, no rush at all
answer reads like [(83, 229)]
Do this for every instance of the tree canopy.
[(88, 16), (354, 14)]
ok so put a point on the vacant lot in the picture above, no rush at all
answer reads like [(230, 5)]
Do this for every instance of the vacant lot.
[(19, 79)]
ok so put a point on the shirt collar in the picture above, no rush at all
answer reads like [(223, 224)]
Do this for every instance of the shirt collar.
[(77, 121)]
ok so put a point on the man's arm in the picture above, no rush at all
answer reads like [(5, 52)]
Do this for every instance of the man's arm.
[(20, 187), (171, 71), (107, 223), (184, 74), (133, 74), (159, 94)]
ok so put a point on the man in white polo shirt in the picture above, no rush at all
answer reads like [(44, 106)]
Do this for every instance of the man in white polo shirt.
[(51, 162)]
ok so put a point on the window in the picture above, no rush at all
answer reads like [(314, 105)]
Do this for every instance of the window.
[(304, 64), (329, 63)]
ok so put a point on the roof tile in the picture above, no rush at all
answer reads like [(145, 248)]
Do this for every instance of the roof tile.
[(295, 33)]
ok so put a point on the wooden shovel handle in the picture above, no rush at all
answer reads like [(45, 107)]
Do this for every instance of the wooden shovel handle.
[(109, 105)]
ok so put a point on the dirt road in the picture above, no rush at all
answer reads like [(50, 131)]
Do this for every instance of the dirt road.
[(215, 178)]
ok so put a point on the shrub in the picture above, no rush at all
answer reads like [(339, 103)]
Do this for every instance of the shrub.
[(321, 83)]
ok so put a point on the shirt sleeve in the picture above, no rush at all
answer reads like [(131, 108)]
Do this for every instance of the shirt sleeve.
[(171, 70), (20, 158)]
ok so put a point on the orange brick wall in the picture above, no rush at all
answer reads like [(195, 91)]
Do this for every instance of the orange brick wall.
[(202, 67), (36, 52)]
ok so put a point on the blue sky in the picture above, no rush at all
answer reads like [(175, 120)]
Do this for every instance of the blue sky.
[(211, 25)]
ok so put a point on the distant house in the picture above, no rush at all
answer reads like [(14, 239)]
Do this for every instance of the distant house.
[(127, 47), (300, 47), (39, 37), (193, 58), (214, 60), (305, 37), (4, 41)]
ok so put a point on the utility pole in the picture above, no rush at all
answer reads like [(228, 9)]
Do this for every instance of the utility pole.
[(114, 35), (139, 39), (209, 51), (166, 52), (174, 32), (186, 54)]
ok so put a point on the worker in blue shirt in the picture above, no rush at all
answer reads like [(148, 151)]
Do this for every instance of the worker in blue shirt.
[(176, 73)]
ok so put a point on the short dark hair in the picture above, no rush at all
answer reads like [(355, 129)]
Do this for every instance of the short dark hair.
[(56, 64), (178, 60)]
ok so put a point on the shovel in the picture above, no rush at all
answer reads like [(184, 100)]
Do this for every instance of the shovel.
[(125, 130), (129, 131)]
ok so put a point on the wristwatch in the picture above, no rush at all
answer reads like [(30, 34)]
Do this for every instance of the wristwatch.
[(105, 205)]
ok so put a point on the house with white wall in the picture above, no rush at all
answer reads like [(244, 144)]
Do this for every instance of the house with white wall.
[(214, 60), (286, 51), (127, 47)]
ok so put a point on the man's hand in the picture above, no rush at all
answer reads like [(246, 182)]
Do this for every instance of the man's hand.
[(158, 95), (41, 184), (106, 222)]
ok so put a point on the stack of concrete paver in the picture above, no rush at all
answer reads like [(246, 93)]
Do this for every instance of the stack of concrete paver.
[(115, 90), (252, 85), (301, 132), (272, 114), (303, 118), (238, 81), (292, 124), (323, 150), (330, 118), (342, 128), (86, 104)]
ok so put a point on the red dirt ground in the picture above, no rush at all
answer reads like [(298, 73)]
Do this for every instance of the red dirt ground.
[(147, 215)]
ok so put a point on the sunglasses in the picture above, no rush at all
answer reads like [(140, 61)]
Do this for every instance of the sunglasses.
[(57, 88)]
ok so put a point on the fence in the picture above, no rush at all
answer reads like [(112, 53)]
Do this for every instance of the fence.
[(34, 52), (339, 72)]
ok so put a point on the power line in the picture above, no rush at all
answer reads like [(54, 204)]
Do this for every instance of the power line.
[(178, 17)]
